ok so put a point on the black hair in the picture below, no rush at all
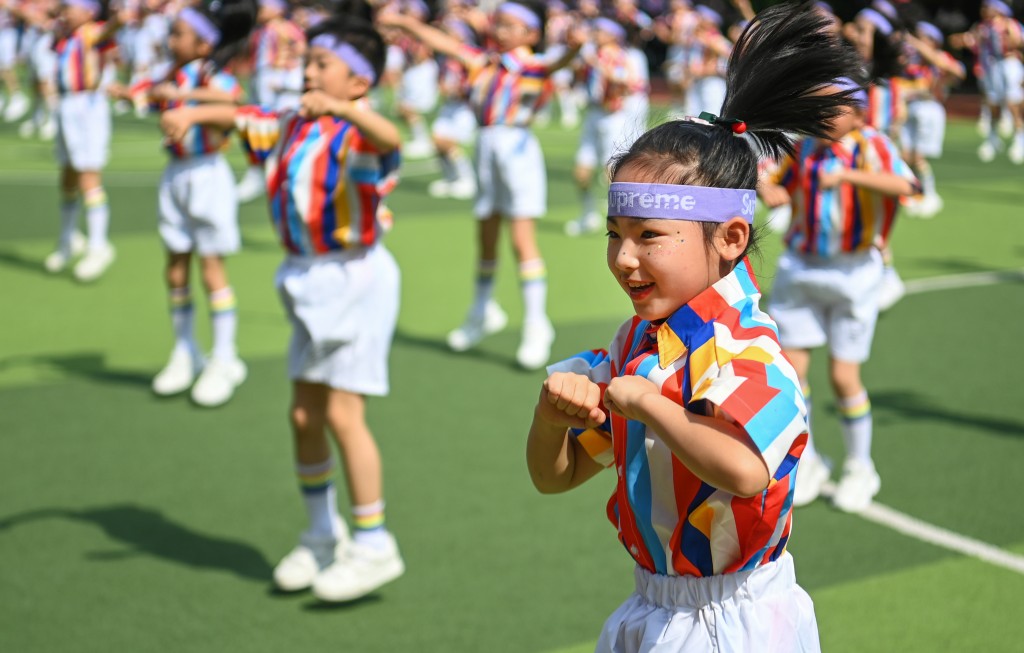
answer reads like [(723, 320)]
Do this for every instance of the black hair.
[(885, 56), (777, 83), (235, 20), (353, 28)]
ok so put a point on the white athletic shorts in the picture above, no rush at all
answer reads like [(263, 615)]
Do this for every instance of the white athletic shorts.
[(835, 301), (510, 172), (198, 207), (418, 90), (343, 307), (1003, 82), (762, 610), (603, 136), (455, 122), (925, 128), (83, 131), (8, 47)]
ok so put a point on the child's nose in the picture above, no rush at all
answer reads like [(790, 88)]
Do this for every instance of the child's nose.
[(626, 258)]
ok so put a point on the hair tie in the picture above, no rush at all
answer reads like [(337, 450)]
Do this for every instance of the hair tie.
[(732, 124)]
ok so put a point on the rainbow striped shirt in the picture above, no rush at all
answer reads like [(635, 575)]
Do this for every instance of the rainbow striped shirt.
[(80, 59), (325, 181), (842, 219), (278, 44), (610, 77), (887, 107), (509, 89), (193, 75), (718, 355)]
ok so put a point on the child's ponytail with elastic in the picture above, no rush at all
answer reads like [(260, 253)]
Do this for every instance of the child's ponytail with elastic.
[(234, 19), (778, 73)]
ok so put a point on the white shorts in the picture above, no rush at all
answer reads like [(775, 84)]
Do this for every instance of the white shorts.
[(418, 89), (198, 207), (511, 175), (455, 122), (762, 610), (278, 89), (1003, 82), (8, 47), (925, 128), (343, 308), (83, 131), (603, 136), (817, 301)]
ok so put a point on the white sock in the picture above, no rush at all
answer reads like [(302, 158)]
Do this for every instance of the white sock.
[(320, 497), (533, 278), (856, 423), (419, 132), (484, 287), (224, 316), (69, 207), (927, 179), (97, 217), (463, 167), (587, 199), (183, 320), (447, 167)]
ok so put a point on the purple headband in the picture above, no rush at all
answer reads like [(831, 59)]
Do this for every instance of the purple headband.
[(279, 5), (417, 7), (609, 26), (880, 22), (521, 12), (885, 8), (200, 24), (356, 62), (674, 202), (999, 6), (710, 14), (931, 31), (826, 7), (89, 5), (859, 95)]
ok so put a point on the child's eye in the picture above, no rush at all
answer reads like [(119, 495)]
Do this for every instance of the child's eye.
[(649, 234), (611, 234)]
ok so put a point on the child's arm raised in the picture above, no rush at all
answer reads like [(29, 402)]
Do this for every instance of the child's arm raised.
[(886, 183), (717, 451), (377, 129), (556, 460), (176, 122), (437, 40)]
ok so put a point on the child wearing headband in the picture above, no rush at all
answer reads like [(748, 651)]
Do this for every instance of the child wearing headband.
[(693, 405), (83, 137), (844, 191), (329, 167), (197, 207), (507, 88)]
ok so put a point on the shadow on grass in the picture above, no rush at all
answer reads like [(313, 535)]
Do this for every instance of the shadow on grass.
[(91, 366), (12, 259), (963, 266), (148, 532), (439, 346), (910, 405)]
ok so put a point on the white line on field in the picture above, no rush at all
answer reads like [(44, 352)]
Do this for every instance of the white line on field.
[(967, 280), (921, 530)]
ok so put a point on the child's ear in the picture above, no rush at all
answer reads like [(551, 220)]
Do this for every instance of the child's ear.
[(358, 87), (204, 49), (732, 238)]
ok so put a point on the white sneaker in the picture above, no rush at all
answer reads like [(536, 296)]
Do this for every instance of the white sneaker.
[(121, 107), (418, 150), (27, 129), (892, 289), (217, 383), (462, 189), (252, 185), (300, 567), (439, 188), (48, 130), (987, 152), (570, 120), (984, 126), (17, 106), (811, 475), (474, 329), (857, 486), (587, 223), (911, 206), (360, 570), (930, 206), (178, 375), (94, 263), (1017, 151), (58, 260), (1005, 126), (535, 347)]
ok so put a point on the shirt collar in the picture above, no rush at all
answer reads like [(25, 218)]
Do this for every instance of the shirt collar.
[(677, 330)]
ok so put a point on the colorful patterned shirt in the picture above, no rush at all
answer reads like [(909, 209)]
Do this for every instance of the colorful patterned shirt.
[(507, 88), (718, 355), (887, 107), (278, 44), (325, 181), (80, 59), (194, 75), (844, 218), (610, 77)]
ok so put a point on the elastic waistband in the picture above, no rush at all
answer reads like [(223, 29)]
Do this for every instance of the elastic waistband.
[(335, 256), (695, 592)]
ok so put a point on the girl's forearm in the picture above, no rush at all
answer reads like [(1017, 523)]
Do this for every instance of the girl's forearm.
[(208, 95), (717, 451), (377, 129), (885, 183), (212, 115), (554, 458)]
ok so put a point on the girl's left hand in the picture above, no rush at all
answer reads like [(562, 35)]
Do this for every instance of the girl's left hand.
[(624, 394), (317, 103)]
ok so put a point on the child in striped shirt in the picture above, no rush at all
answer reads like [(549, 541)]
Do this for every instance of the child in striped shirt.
[(329, 166), (693, 404), (844, 191), (508, 86), (198, 209)]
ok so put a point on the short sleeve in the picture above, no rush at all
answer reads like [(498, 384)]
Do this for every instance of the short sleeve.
[(223, 81), (886, 157), (259, 130), (752, 385)]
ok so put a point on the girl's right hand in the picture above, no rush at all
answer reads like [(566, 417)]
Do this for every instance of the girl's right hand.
[(176, 123), (570, 400)]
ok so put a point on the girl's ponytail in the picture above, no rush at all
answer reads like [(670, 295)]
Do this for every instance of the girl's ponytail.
[(778, 74)]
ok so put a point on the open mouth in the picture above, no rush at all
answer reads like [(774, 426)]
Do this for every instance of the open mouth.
[(638, 290)]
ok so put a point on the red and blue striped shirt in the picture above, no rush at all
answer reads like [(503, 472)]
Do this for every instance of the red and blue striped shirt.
[(325, 181), (508, 89), (80, 59), (718, 355)]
